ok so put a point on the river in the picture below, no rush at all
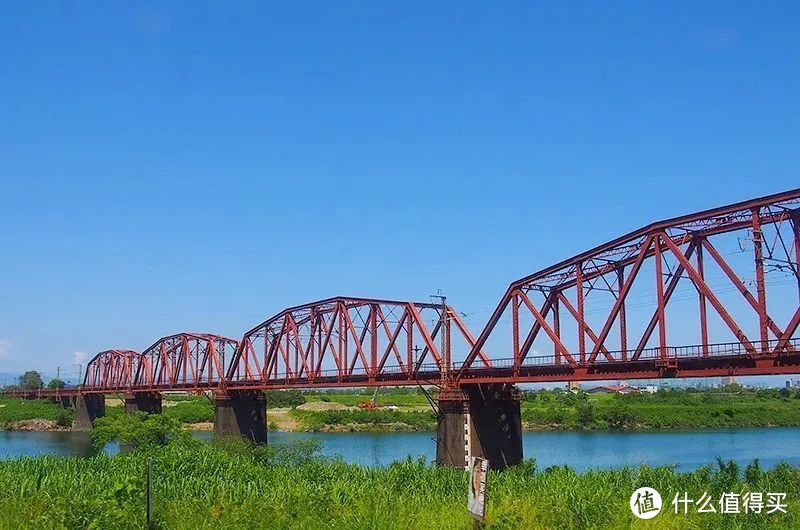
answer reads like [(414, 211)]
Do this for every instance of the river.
[(581, 450)]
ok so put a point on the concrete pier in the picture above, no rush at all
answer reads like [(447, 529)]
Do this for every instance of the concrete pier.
[(88, 407), (241, 413), (149, 402), (451, 431), (479, 420)]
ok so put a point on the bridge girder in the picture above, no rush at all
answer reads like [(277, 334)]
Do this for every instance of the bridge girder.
[(351, 339), (554, 333), (658, 260)]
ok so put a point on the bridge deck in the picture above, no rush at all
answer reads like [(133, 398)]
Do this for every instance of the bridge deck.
[(718, 360)]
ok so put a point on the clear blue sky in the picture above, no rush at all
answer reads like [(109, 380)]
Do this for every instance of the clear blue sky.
[(168, 168)]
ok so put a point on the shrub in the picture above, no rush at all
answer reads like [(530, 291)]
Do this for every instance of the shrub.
[(585, 414), (138, 430), (64, 417), (620, 417)]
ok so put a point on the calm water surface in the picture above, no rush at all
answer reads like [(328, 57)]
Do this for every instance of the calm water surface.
[(581, 450)]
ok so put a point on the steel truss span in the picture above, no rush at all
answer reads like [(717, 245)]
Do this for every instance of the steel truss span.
[(724, 281), (344, 341), (184, 361), (112, 369), (576, 319)]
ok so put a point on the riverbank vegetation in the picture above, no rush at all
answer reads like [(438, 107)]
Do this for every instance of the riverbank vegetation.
[(409, 410), (666, 409), (365, 420), (731, 407), (230, 484), (14, 411)]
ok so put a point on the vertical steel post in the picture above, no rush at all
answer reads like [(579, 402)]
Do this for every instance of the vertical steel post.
[(447, 325), (409, 343), (581, 327), (623, 320), (445, 354), (662, 327), (343, 339), (556, 324), (760, 287), (702, 300), (312, 343), (373, 342), (212, 355), (320, 345), (515, 331)]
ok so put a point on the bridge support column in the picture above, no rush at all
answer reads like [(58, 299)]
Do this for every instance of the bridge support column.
[(480, 420), (88, 407), (149, 402), (241, 413)]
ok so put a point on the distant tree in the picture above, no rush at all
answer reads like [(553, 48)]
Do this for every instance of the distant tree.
[(56, 383), (732, 388), (138, 430), (30, 380)]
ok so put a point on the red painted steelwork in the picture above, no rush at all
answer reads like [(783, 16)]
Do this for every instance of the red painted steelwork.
[(112, 369), (343, 339), (659, 257), (185, 361), (555, 333)]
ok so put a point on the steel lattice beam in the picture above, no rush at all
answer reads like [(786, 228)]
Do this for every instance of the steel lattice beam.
[(346, 341), (660, 256), (113, 369)]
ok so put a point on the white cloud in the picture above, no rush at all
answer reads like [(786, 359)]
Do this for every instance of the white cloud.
[(78, 357), (5, 347)]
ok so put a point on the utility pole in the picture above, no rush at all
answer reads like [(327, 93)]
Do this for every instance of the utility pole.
[(443, 329)]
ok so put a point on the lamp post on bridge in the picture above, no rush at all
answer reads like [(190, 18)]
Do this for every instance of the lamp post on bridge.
[(444, 338)]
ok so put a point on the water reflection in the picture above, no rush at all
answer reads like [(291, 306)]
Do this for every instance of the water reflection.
[(581, 450)]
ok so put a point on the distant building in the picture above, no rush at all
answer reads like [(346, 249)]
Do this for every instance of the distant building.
[(650, 389), (728, 380), (613, 389), (573, 386)]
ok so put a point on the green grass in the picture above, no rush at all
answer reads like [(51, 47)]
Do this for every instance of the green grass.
[(383, 400), (202, 486), (664, 410), (16, 409), (540, 410), (372, 419)]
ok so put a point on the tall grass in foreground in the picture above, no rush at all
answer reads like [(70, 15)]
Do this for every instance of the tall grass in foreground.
[(231, 485)]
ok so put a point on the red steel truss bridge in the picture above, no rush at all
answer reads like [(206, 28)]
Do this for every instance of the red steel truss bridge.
[(714, 293)]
